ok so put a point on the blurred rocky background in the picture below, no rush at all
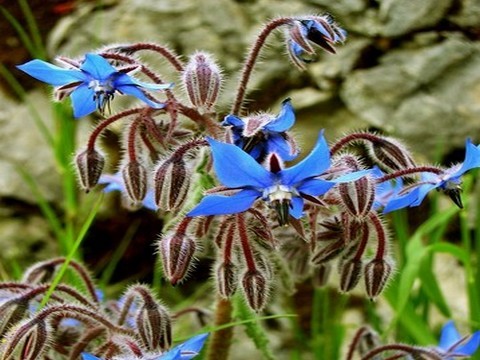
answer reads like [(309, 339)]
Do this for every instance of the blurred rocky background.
[(409, 68)]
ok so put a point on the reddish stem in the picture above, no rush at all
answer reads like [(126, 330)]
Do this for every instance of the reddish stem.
[(247, 251)]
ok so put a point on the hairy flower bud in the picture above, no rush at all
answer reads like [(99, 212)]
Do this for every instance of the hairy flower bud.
[(390, 154), (11, 312), (226, 276), (328, 253), (376, 273), (255, 288), (89, 164), (321, 274), (29, 339), (176, 251), (154, 326), (135, 179), (350, 273), (357, 196), (171, 184), (202, 79)]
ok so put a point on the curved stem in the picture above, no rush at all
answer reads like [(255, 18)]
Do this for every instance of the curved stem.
[(410, 171), (403, 348), (252, 58)]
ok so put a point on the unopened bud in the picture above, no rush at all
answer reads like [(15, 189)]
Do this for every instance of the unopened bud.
[(29, 340), (376, 273), (11, 312), (171, 184), (350, 273), (390, 154), (255, 289), (332, 230), (154, 326), (89, 164), (202, 80), (135, 179), (176, 251), (328, 253), (321, 274), (357, 196), (226, 276)]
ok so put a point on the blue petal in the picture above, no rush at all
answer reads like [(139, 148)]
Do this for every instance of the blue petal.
[(223, 205), (472, 159), (317, 26), (352, 176), (123, 79), (114, 182), (471, 346), (315, 187), (236, 169), (233, 121), (192, 346), (284, 120), (277, 144), (97, 67), (449, 336), (402, 201), (173, 354), (296, 207), (82, 101), (133, 90), (313, 165), (86, 356), (149, 201), (51, 74), (423, 191)]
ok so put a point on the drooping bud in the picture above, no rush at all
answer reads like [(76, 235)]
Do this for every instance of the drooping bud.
[(154, 326), (390, 154), (89, 164), (11, 312), (350, 274), (327, 253), (135, 177), (171, 184), (358, 196), (176, 251), (321, 274), (376, 273), (226, 276), (255, 288), (202, 79), (28, 339)]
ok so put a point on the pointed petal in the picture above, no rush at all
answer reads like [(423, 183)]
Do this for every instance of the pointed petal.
[(236, 169), (296, 207), (192, 346), (448, 336), (97, 67), (284, 120), (400, 202), (133, 90), (82, 101), (472, 159), (223, 205), (470, 346), (315, 187), (123, 79), (86, 356), (352, 176), (51, 74), (276, 143), (173, 354), (233, 120), (313, 165), (423, 191)]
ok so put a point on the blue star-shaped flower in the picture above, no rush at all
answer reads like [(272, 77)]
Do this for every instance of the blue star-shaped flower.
[(93, 84), (283, 189), (262, 134), (449, 182), (185, 351), (453, 345)]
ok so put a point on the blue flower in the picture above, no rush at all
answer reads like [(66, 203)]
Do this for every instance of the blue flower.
[(185, 351), (449, 182), (93, 84), (262, 134), (283, 189), (115, 182), (453, 345)]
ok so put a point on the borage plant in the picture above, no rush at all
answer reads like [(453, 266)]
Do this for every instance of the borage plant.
[(323, 211)]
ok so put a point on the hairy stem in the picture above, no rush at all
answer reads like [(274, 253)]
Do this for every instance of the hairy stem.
[(221, 340)]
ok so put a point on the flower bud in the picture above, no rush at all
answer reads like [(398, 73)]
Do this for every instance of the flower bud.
[(154, 326), (255, 289), (350, 273), (171, 184), (321, 274), (30, 338), (11, 312), (376, 273), (226, 276), (390, 154), (176, 251), (328, 253), (135, 179), (89, 164), (202, 80), (357, 196)]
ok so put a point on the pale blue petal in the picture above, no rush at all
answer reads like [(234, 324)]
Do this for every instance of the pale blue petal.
[(471, 346), (149, 201), (402, 201), (122, 79), (51, 74), (423, 191), (315, 187), (192, 346), (236, 169), (86, 356), (173, 354), (449, 336), (276, 143), (114, 182), (223, 205), (317, 26), (352, 176), (82, 101), (97, 67), (233, 121), (133, 90), (284, 120), (296, 207), (313, 165), (472, 159)]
